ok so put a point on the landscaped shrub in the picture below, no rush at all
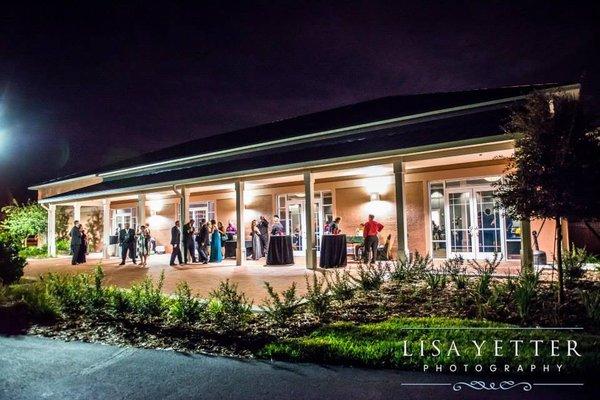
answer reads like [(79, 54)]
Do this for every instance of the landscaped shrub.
[(525, 292), (456, 269), (11, 263), (40, 303), (63, 246), (435, 280), (147, 299), (317, 298), (71, 291), (34, 252), (481, 289), (118, 301), (340, 285), (411, 268), (573, 263), (229, 309), (184, 307), (371, 276), (591, 302), (280, 308)]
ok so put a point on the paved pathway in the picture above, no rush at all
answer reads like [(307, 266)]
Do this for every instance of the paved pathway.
[(201, 278), (40, 368)]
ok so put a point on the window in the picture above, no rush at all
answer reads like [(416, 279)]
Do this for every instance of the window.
[(202, 210), (438, 219)]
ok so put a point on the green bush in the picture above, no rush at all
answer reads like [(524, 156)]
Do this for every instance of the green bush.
[(371, 276), (525, 291), (147, 299), (184, 307), (229, 309), (40, 303), (280, 308), (34, 252), (591, 302), (317, 298), (81, 293), (63, 246), (411, 268), (340, 285), (118, 302), (11, 263), (573, 263)]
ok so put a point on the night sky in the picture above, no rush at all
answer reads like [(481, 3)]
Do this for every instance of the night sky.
[(83, 85)]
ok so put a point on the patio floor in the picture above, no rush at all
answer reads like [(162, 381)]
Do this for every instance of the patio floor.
[(201, 278)]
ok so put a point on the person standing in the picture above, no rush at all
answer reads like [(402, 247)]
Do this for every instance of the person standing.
[(127, 242), (176, 243), (263, 228), (83, 247), (203, 241), (370, 233), (231, 230), (188, 242), (143, 245), (277, 229), (75, 242), (216, 254), (334, 227), (257, 252)]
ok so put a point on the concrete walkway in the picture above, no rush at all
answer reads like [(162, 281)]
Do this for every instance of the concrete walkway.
[(40, 368), (201, 278)]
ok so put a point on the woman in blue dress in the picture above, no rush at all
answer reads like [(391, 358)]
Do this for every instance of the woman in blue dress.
[(216, 254)]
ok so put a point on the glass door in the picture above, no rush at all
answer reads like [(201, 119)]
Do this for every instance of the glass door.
[(488, 230), (460, 222), (295, 228)]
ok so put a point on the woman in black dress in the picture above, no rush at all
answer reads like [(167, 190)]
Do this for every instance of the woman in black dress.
[(83, 247)]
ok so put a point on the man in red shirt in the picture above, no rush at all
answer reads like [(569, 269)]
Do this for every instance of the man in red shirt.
[(370, 233)]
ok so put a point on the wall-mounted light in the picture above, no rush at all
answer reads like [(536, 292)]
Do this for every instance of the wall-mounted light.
[(375, 196), (156, 206), (492, 178)]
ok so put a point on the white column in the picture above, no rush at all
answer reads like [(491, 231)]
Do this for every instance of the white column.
[(240, 249), (141, 211), (77, 212), (51, 239), (399, 172), (184, 212), (106, 230), (309, 217)]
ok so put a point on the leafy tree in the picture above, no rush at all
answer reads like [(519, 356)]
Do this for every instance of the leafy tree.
[(24, 220), (11, 263), (63, 214), (555, 171), (94, 229)]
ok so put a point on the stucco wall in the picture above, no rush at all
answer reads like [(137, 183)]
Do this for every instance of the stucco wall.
[(415, 217), (354, 206), (255, 207)]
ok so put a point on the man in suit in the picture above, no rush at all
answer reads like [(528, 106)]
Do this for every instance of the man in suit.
[(127, 242), (203, 241), (263, 228), (277, 229), (75, 242), (188, 242), (176, 242)]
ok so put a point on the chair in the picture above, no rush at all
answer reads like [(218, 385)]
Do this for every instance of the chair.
[(384, 252)]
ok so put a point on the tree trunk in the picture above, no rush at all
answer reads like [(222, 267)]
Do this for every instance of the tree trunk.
[(561, 288)]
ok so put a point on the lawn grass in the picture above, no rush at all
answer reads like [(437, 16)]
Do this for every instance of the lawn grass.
[(382, 345)]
